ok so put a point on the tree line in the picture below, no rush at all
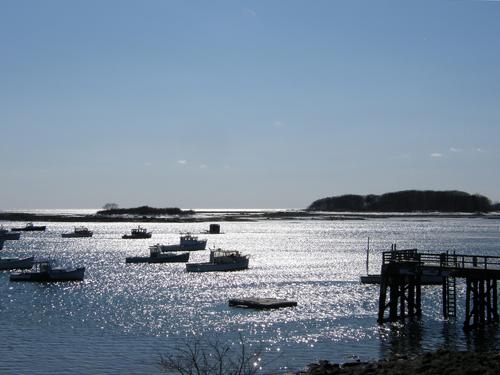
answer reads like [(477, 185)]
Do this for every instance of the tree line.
[(407, 201)]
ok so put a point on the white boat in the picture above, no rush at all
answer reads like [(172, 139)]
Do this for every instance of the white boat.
[(187, 242), (221, 260), (137, 233), (45, 272), (78, 232), (16, 263), (157, 257), (6, 235)]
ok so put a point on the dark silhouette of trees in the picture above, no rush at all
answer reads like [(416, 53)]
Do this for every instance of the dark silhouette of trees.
[(406, 201), (144, 211), (110, 206)]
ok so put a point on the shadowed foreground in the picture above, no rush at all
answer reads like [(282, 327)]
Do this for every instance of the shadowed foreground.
[(440, 362)]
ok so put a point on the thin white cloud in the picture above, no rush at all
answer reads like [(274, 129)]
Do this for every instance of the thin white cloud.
[(182, 162), (453, 149), (480, 150), (279, 124), (436, 155), (203, 166), (250, 12)]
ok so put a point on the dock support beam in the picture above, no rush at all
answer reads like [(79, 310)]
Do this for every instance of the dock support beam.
[(404, 296), (481, 305)]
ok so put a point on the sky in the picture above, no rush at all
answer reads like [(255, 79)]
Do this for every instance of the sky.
[(245, 104)]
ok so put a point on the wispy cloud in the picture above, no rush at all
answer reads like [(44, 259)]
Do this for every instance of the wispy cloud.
[(436, 155), (203, 166), (279, 124), (453, 149), (480, 149), (182, 162), (250, 12), (147, 164)]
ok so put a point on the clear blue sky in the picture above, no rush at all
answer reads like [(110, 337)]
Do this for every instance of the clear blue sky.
[(245, 103)]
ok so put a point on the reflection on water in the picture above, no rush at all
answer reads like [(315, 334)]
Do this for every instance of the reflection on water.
[(123, 316)]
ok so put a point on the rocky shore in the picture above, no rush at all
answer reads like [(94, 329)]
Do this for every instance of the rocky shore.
[(441, 362)]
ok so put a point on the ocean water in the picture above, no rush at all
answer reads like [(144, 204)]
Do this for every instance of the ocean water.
[(124, 317)]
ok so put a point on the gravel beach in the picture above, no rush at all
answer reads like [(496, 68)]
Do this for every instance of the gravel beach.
[(441, 362)]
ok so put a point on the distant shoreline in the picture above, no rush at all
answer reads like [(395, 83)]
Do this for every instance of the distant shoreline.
[(230, 215)]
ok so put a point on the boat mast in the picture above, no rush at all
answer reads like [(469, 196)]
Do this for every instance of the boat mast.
[(367, 255)]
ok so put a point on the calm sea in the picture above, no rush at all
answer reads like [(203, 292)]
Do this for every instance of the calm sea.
[(123, 317)]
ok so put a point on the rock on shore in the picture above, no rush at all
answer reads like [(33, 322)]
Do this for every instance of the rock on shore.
[(441, 362)]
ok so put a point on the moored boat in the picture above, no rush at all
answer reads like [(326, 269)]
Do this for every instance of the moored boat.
[(16, 263), (221, 260), (78, 232), (187, 242), (45, 272), (157, 257), (6, 235), (29, 228), (137, 233)]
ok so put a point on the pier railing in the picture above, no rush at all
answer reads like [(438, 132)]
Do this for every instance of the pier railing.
[(456, 261)]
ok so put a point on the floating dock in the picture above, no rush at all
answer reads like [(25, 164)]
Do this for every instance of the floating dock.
[(261, 303)]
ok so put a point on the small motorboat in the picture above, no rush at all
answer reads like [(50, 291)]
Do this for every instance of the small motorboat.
[(78, 232), (43, 271), (29, 228), (137, 233), (221, 260), (6, 235), (16, 263), (187, 242), (157, 257)]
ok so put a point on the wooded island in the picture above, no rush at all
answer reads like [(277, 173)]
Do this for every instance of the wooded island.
[(407, 201)]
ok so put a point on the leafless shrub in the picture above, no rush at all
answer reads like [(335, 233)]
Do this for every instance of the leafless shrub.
[(212, 358)]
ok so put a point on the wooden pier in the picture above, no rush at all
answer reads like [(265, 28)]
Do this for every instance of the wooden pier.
[(401, 285)]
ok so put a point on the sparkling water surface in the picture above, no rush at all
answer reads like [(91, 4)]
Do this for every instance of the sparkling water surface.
[(123, 317)]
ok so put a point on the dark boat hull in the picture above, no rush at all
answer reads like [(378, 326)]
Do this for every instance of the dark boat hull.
[(9, 236), (30, 229), (200, 245), (16, 263), (77, 235), (177, 258), (51, 276), (136, 237)]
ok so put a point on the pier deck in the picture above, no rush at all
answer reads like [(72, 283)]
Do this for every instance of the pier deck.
[(402, 276)]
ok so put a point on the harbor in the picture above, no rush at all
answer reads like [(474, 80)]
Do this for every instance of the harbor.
[(124, 315)]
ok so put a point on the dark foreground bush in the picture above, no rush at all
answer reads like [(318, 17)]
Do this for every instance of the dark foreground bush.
[(212, 358)]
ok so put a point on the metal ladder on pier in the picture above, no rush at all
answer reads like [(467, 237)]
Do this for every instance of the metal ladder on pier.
[(450, 307)]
